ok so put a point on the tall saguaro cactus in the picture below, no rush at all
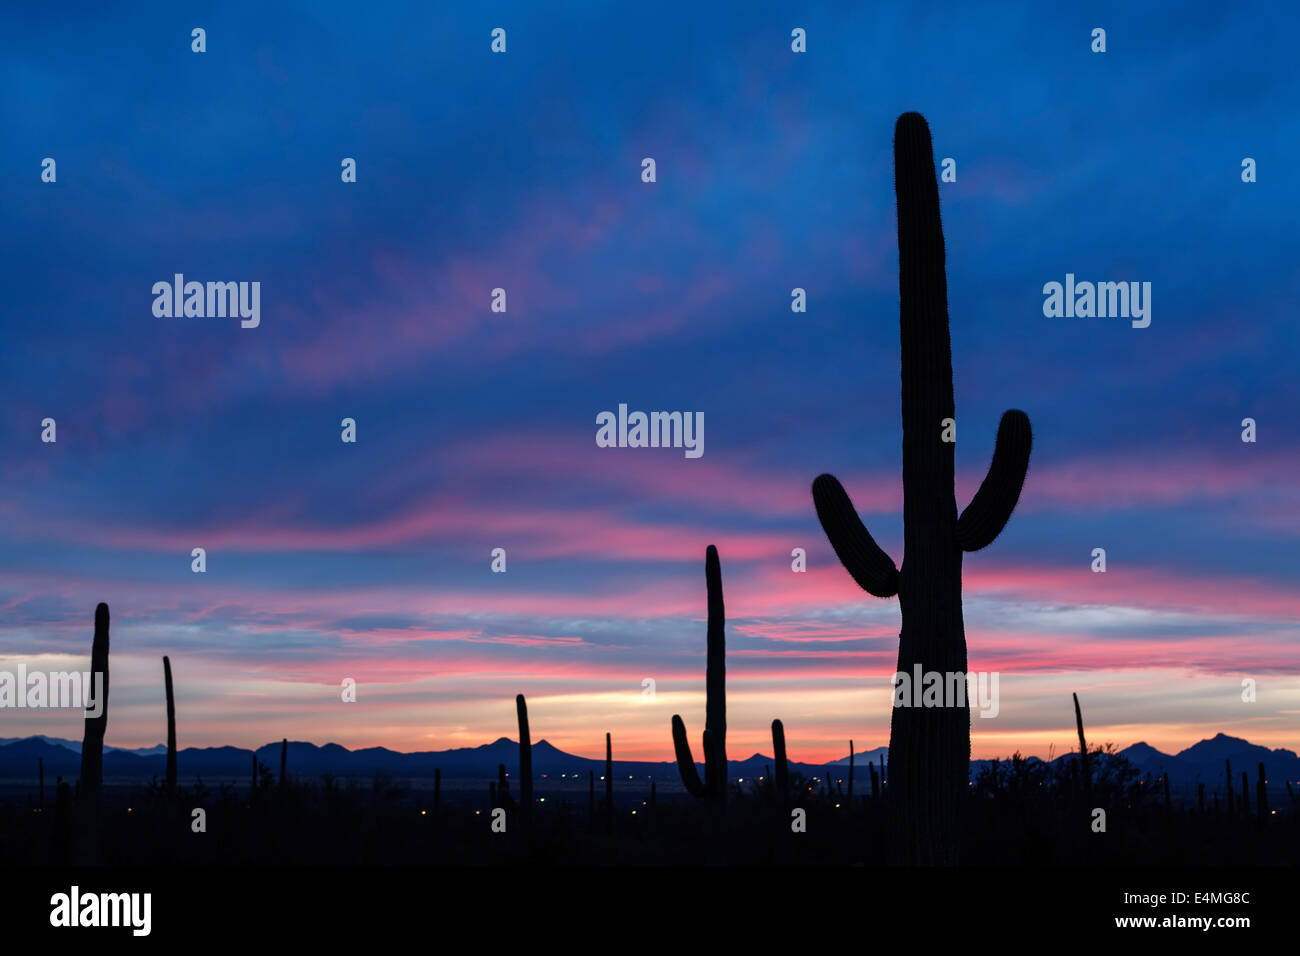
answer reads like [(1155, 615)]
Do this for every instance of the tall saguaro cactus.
[(525, 755), (715, 707), (1085, 772), (929, 747), (92, 745), (782, 779), (171, 727)]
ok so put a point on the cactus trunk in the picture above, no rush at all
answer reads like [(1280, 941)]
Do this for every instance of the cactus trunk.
[(171, 727), (715, 707), (92, 745), (525, 755), (1085, 774), (609, 775), (782, 767), (929, 747), (284, 760), (850, 793)]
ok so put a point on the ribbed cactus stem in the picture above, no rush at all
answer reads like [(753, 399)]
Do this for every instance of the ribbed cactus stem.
[(171, 726), (525, 754), (609, 774), (778, 757), (1085, 772), (715, 706), (929, 747), (92, 745), (850, 789)]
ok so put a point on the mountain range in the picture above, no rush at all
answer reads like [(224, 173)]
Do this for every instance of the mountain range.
[(1203, 762)]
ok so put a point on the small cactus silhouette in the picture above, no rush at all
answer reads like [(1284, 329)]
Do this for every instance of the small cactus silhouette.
[(782, 780), (714, 786), (171, 727), (1085, 774), (929, 747), (609, 775), (525, 755), (92, 745)]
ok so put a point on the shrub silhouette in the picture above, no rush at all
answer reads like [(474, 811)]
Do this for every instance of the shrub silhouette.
[(929, 747)]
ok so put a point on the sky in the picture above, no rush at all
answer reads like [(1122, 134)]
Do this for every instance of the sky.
[(476, 429)]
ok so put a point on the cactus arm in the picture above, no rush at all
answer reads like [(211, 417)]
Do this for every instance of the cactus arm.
[(685, 762), (988, 512), (857, 550)]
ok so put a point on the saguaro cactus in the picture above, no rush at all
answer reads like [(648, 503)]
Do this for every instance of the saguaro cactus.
[(715, 707), (171, 727), (929, 747), (609, 775), (850, 791), (525, 755), (284, 759), (782, 778), (1085, 774), (92, 744)]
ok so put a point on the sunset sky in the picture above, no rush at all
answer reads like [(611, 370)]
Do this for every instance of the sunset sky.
[(476, 430)]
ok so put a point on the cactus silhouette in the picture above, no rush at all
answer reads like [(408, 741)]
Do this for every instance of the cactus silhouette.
[(609, 775), (525, 755), (284, 759), (778, 755), (714, 786), (1084, 772), (171, 727), (1227, 772), (929, 747), (92, 745), (850, 791)]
